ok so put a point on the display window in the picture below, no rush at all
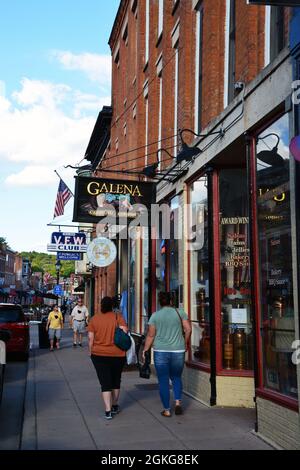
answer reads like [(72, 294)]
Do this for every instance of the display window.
[(275, 259), (132, 320), (235, 278), (174, 252), (199, 274)]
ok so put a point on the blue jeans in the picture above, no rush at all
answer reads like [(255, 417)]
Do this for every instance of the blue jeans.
[(169, 365)]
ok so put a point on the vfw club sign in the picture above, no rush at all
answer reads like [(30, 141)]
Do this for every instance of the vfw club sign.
[(68, 242)]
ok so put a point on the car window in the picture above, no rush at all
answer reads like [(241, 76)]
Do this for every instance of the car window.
[(10, 314)]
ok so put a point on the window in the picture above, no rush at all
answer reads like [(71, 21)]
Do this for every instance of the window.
[(277, 31), (160, 120), (199, 69), (230, 46), (199, 274), (147, 31), (176, 98), (236, 308), (174, 251), (160, 17), (276, 262)]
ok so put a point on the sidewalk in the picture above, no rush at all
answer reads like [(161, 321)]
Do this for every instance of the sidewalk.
[(63, 411)]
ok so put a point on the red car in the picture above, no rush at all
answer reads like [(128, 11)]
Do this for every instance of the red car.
[(12, 319)]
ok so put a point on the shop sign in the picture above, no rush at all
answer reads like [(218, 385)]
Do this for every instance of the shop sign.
[(62, 256), (285, 3), (66, 242), (101, 252), (96, 198)]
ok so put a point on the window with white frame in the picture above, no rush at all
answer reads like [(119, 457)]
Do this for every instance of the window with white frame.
[(160, 17), (176, 82), (199, 69), (146, 92), (275, 34), (147, 31), (230, 49)]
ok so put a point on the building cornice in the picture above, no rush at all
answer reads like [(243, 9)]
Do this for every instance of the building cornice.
[(117, 26)]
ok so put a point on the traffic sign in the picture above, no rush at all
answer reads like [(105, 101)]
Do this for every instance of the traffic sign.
[(58, 290)]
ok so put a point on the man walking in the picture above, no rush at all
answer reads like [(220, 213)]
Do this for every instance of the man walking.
[(54, 327), (79, 320)]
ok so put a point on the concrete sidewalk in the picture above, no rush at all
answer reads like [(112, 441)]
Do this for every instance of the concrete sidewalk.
[(64, 411)]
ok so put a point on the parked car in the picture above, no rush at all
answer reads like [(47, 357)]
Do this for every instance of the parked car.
[(12, 319), (4, 337)]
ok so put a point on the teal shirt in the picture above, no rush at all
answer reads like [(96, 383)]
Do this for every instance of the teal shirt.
[(168, 328)]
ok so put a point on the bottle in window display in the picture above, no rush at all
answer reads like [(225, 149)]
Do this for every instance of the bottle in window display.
[(240, 349), (228, 349)]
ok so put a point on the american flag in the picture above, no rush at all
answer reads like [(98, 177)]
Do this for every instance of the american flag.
[(63, 196)]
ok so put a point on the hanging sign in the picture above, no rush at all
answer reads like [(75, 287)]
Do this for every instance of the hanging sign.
[(67, 242), (98, 198), (101, 252), (62, 256)]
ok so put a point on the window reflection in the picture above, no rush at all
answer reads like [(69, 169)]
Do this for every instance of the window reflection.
[(199, 273), (275, 245)]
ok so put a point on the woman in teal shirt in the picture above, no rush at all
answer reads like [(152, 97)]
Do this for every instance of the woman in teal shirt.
[(165, 332)]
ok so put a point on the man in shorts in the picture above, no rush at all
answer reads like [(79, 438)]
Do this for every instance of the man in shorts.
[(79, 320), (54, 326)]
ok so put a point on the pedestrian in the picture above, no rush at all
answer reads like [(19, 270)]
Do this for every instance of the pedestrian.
[(107, 358), (169, 331), (79, 321), (54, 327)]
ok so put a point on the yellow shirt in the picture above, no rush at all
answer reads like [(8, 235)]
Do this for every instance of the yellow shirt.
[(55, 323)]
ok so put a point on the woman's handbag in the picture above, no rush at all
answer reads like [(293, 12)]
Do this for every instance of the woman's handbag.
[(121, 339), (145, 371)]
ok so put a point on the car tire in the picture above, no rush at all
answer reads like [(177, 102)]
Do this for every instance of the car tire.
[(1, 381)]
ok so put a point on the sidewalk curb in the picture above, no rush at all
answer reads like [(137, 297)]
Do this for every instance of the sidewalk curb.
[(28, 439)]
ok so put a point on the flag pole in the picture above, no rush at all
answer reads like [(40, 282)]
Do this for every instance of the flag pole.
[(64, 182)]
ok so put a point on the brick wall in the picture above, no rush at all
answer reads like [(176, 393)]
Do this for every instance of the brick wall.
[(278, 424), (196, 383)]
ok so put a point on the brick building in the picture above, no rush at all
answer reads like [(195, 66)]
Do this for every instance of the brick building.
[(224, 70)]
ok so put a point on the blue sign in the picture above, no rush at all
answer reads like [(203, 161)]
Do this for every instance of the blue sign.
[(58, 290), (62, 256), (62, 238)]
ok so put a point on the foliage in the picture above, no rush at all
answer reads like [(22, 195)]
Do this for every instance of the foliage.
[(42, 262)]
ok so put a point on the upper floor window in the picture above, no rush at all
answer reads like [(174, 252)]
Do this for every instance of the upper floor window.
[(230, 51), (199, 69), (160, 17), (275, 32), (147, 31)]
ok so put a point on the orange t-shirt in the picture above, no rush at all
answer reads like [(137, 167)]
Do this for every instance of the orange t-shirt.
[(103, 326)]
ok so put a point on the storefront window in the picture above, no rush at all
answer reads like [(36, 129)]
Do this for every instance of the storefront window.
[(174, 252), (132, 288), (199, 274), (236, 312), (276, 280), (145, 283)]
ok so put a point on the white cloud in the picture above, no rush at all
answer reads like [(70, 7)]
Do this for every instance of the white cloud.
[(45, 126), (32, 176), (97, 67)]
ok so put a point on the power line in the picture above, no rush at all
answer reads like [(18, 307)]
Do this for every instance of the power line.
[(138, 158)]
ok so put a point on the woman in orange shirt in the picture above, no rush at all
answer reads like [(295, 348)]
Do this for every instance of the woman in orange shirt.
[(107, 358)]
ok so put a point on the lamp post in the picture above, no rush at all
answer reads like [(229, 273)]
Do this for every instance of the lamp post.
[(57, 267)]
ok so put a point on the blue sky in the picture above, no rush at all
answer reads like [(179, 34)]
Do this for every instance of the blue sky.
[(54, 79)]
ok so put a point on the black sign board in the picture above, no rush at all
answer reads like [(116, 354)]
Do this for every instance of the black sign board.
[(286, 3), (99, 198)]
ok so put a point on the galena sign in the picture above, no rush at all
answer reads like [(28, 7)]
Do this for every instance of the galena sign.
[(68, 242)]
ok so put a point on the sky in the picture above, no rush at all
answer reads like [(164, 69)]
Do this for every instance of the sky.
[(55, 76)]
